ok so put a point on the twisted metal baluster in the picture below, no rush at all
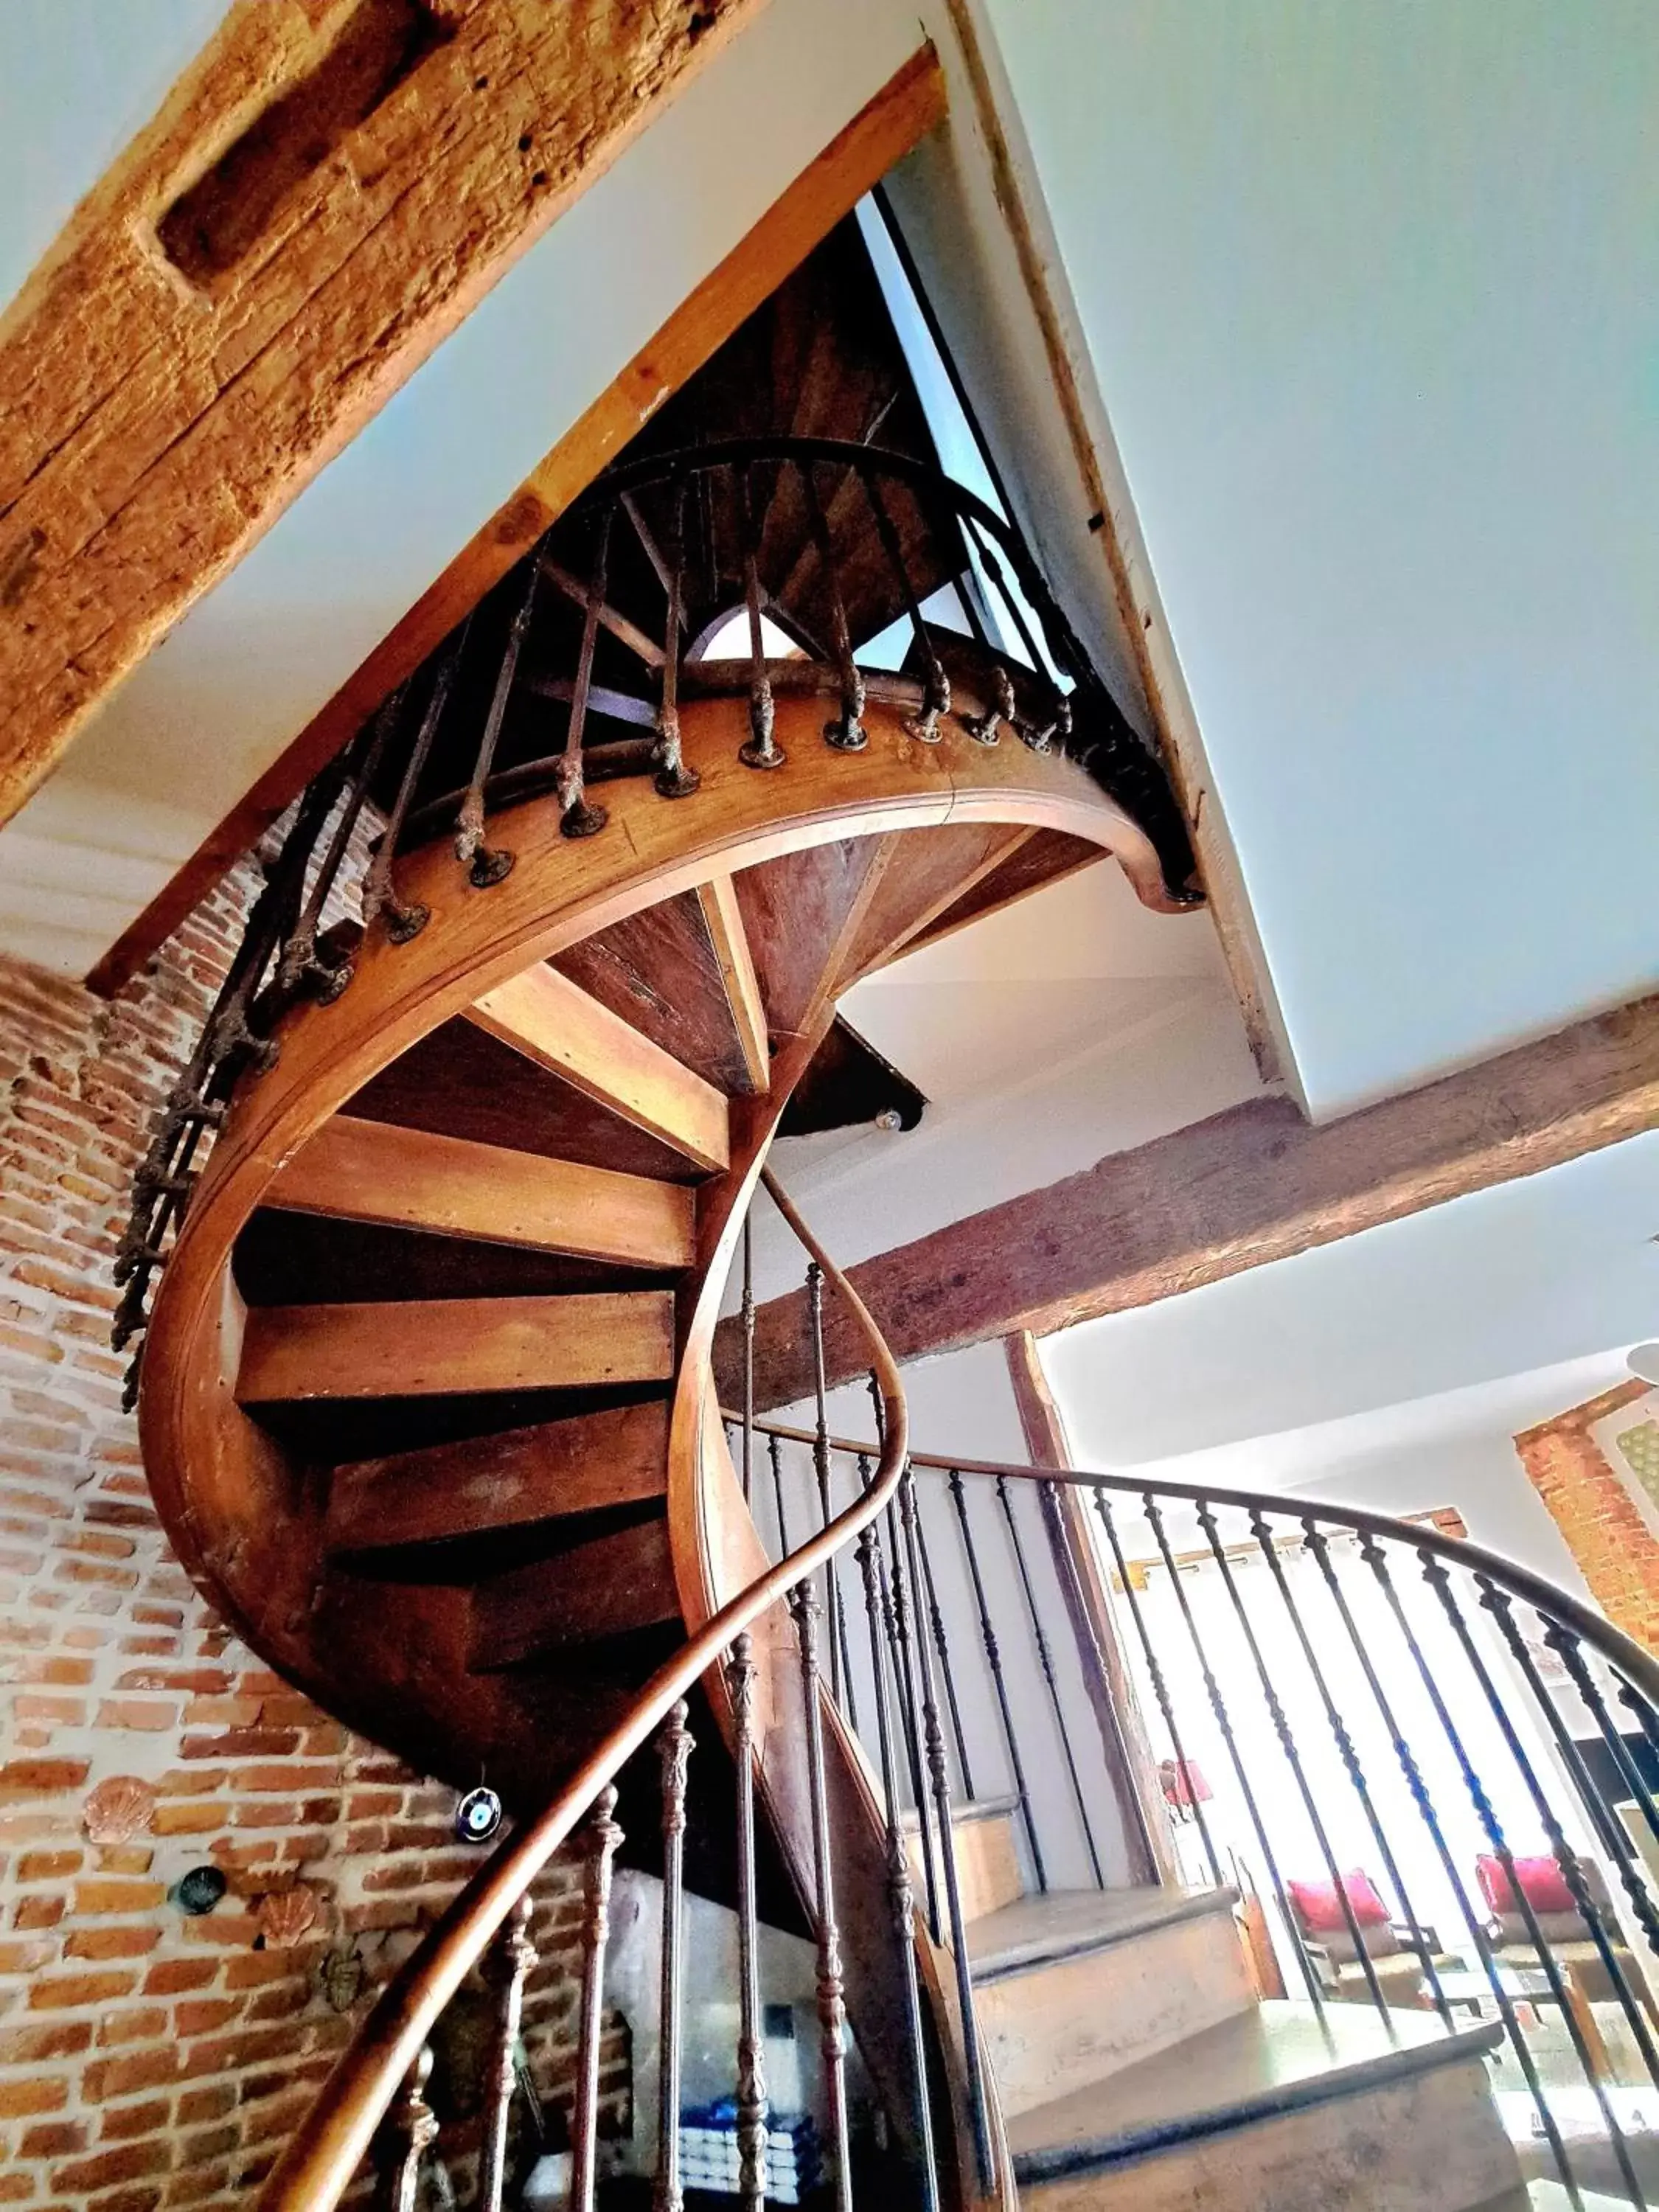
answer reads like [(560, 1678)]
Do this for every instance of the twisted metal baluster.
[(1223, 1723), (773, 1454), (1046, 1662), (1500, 1605), (939, 1777), (762, 750), (848, 735), (603, 1838), (510, 1960), (674, 1748), (1435, 1575), (899, 1896), (841, 1667), (578, 818), (1286, 1734), (1160, 1688), (941, 1644), (896, 1614), (993, 1660), (406, 919), (1319, 1546), (1568, 1649), (411, 2129), (486, 865), (748, 1314), (307, 964), (751, 2063), (1349, 1754), (831, 1997), (673, 779), (936, 688)]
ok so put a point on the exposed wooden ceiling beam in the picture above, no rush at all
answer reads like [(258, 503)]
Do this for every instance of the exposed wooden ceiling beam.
[(908, 107), (1253, 1184)]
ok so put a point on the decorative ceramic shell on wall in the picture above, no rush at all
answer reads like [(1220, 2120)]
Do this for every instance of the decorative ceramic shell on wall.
[(288, 1917), (119, 1808)]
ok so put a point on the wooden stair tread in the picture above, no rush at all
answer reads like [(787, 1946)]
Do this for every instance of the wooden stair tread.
[(617, 1456), (1279, 2058), (558, 1026), (1066, 1924), (419, 1348), (802, 913), (359, 1170), (459, 1081), (614, 1585), (663, 971), (928, 877), (1046, 857)]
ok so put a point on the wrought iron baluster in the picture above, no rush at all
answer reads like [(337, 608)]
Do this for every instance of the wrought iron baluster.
[(578, 817), (985, 729), (941, 1644), (1286, 1734), (848, 735), (510, 1960), (936, 687), (1499, 1603), (1567, 1647), (603, 1838), (939, 1777), (1223, 1723), (899, 1896), (773, 1451), (486, 865), (406, 919), (896, 1613), (411, 2129), (673, 779), (674, 1748), (762, 750), (841, 1666), (751, 2061), (310, 963), (993, 1660), (1319, 1544), (1046, 1662), (1348, 1753), (1160, 1688), (831, 1999), (748, 1314), (1435, 1575)]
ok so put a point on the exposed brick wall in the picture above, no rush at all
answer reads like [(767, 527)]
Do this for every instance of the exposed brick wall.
[(1594, 1512), (148, 2058)]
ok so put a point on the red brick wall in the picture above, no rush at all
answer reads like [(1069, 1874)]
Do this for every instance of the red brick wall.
[(1597, 1514), (148, 2058)]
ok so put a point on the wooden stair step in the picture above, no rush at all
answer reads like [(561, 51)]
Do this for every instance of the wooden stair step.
[(554, 1022), (441, 1346), (610, 1586), (617, 1457), (357, 1170)]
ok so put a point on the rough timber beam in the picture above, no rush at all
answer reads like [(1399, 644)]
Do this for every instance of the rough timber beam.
[(320, 201), (1254, 1184), (908, 107)]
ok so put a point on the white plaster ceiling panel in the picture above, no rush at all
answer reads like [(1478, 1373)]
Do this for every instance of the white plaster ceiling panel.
[(1369, 294)]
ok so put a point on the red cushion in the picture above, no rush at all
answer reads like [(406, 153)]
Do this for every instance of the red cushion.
[(1542, 1884), (1321, 1908)]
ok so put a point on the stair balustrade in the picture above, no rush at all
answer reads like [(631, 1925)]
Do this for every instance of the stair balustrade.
[(1431, 1776)]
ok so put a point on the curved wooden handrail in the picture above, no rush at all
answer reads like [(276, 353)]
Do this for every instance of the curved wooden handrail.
[(322, 2157), (1638, 1666)]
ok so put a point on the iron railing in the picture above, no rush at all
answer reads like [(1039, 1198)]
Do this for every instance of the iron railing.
[(602, 627), (1430, 1774)]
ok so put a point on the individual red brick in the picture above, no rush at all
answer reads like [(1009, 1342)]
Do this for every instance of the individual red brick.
[(203, 2016), (40, 1911), (126, 2162), (44, 2093), (106, 1894), (40, 1777), (58, 1992), (133, 2024), (53, 2139), (121, 2123), (126, 2077), (112, 1942), (22, 2046), (152, 1714), (209, 2102), (168, 1977)]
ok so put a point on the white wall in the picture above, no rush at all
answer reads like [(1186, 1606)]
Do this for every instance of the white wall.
[(1368, 294)]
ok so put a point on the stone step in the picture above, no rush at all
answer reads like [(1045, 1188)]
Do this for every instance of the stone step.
[(1276, 2108), (988, 1873), (1551, 2197), (1071, 1986)]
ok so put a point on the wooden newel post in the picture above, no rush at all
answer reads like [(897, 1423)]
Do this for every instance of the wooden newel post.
[(1123, 1737)]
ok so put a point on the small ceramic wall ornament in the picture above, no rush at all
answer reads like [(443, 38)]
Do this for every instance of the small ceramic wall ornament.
[(287, 1916), (119, 1808)]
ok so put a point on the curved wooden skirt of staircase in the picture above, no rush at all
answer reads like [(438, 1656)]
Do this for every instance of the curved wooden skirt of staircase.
[(426, 1404)]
